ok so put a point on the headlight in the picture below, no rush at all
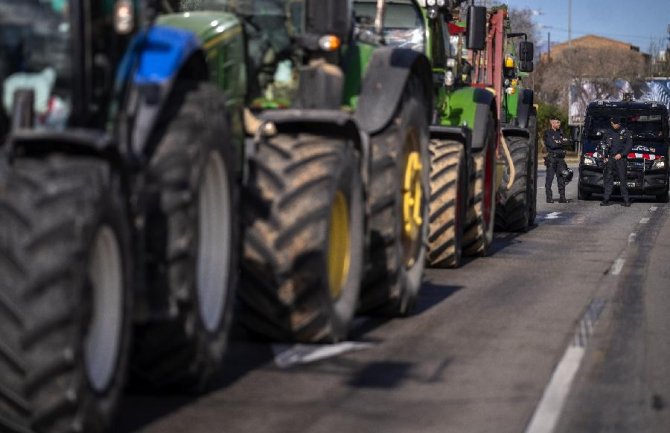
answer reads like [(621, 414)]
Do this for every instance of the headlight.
[(430, 2), (440, 3), (658, 165), (588, 160)]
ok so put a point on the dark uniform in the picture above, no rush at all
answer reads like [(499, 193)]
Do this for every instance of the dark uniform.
[(555, 162), (618, 142)]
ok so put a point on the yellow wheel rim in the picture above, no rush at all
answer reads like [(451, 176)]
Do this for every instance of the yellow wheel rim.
[(339, 255), (411, 197)]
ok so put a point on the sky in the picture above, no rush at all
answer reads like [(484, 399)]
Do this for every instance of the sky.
[(636, 22)]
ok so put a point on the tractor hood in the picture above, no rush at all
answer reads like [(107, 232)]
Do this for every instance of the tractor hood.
[(206, 25)]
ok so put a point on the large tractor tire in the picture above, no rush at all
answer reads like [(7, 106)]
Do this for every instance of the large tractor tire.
[(448, 203), (513, 210), (192, 238), (399, 209), (65, 303), (303, 243), (480, 216), (532, 172)]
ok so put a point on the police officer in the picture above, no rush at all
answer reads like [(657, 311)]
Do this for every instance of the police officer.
[(555, 159), (619, 142)]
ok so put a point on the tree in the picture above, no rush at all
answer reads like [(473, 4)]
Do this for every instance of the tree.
[(605, 64), (521, 20)]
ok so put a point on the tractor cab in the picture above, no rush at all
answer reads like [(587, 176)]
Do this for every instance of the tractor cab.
[(57, 62), (403, 22)]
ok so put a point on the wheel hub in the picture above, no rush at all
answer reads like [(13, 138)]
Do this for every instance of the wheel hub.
[(412, 196), (102, 343), (214, 242), (339, 251)]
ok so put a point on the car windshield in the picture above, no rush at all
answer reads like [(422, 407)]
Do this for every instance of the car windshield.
[(35, 51), (403, 24), (643, 124)]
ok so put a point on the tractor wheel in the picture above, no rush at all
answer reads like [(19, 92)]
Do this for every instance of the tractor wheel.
[(65, 302), (532, 170), (448, 195), (481, 207), (303, 243), (192, 237), (399, 209), (513, 211)]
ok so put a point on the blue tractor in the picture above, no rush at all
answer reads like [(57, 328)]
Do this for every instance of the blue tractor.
[(118, 211)]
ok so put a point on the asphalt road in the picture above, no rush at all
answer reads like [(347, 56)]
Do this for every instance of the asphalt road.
[(564, 328)]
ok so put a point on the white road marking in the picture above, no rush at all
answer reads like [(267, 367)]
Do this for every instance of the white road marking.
[(644, 220), (553, 216), (653, 209), (553, 399), (617, 266), (289, 355), (631, 237), (550, 407)]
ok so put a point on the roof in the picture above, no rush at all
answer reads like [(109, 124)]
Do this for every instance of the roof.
[(596, 41), (630, 105)]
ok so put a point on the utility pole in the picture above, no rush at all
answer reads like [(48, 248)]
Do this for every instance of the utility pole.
[(549, 46), (569, 23)]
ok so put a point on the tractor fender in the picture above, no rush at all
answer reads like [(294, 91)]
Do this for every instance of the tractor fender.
[(515, 131), (85, 142), (152, 65), (384, 83), (485, 103), (525, 106), (461, 134), (332, 122)]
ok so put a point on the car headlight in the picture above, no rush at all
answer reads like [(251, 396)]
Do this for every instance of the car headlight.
[(658, 165), (589, 160), (430, 2)]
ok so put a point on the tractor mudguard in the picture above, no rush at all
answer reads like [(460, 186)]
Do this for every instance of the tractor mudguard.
[(458, 133), (337, 122), (515, 131), (155, 59), (72, 142), (525, 106), (384, 83), (484, 100)]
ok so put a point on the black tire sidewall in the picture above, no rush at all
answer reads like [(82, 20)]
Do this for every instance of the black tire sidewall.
[(349, 183)]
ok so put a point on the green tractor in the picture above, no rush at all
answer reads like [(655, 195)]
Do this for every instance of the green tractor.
[(335, 131), (462, 131), (118, 202)]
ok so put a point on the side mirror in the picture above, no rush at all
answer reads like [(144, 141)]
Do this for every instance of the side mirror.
[(526, 51), (476, 31), (526, 66), (328, 17)]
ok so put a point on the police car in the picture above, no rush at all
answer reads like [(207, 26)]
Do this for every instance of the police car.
[(647, 162)]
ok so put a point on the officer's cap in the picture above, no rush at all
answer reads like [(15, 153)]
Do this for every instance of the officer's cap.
[(615, 119)]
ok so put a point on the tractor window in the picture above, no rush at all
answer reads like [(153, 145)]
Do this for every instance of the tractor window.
[(403, 23), (439, 47), (35, 54)]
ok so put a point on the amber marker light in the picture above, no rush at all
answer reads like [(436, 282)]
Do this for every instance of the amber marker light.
[(329, 43)]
